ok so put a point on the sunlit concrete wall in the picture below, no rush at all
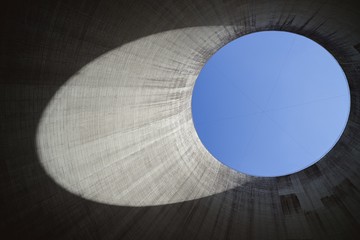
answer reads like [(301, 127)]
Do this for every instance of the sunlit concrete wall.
[(97, 140)]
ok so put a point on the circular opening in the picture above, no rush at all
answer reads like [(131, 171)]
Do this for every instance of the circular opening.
[(270, 103)]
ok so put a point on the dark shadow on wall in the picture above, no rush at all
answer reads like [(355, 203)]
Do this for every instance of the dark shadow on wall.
[(43, 44)]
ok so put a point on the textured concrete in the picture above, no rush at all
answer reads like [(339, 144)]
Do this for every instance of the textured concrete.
[(97, 140)]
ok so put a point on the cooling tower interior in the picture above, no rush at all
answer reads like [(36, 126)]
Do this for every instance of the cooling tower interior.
[(97, 137)]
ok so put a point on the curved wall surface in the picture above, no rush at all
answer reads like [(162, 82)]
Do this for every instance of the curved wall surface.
[(97, 140)]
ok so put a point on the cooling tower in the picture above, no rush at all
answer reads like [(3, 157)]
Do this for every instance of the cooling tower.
[(97, 138)]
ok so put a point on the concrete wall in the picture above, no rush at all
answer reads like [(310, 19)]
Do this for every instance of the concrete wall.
[(97, 140)]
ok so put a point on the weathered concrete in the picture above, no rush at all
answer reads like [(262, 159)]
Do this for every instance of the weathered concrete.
[(96, 134)]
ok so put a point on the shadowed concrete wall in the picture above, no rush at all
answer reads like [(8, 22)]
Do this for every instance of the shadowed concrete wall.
[(97, 140)]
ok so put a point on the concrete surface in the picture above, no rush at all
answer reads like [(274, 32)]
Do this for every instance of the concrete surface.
[(97, 140)]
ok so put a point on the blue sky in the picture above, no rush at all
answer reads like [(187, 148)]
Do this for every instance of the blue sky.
[(270, 103)]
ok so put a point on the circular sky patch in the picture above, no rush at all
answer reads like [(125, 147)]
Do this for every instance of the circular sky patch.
[(270, 103)]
